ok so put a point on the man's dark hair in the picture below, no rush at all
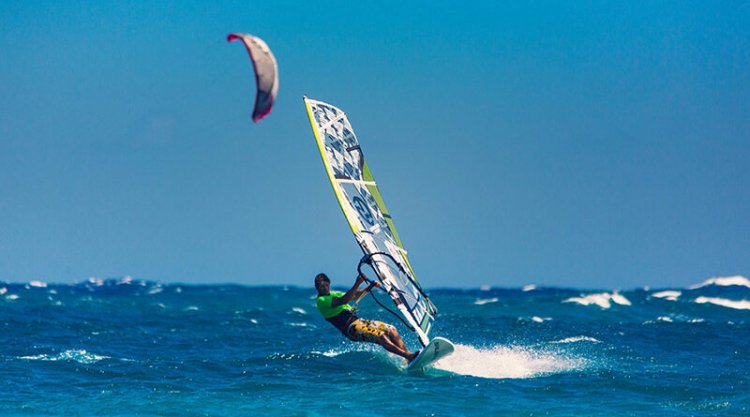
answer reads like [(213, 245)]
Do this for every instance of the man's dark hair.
[(323, 277)]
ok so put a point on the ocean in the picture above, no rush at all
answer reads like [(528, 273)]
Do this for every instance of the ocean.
[(125, 347)]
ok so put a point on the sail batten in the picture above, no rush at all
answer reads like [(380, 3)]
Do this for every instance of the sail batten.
[(369, 219)]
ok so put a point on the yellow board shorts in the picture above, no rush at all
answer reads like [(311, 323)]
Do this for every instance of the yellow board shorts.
[(367, 330)]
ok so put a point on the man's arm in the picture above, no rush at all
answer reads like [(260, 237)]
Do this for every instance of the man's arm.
[(362, 293), (349, 296)]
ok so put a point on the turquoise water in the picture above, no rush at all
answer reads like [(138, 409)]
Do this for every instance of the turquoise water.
[(133, 348)]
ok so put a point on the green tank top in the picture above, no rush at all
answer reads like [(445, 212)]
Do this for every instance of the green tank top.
[(325, 308)]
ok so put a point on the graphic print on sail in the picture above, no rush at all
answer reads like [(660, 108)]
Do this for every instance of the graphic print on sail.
[(367, 215)]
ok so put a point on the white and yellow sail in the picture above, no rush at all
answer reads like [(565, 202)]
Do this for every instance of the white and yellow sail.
[(367, 215)]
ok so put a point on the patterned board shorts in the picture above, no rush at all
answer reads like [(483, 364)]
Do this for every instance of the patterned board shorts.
[(367, 330)]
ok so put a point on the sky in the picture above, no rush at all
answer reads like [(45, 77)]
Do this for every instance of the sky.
[(570, 144)]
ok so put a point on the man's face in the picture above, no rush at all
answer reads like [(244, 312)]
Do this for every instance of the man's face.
[(323, 286)]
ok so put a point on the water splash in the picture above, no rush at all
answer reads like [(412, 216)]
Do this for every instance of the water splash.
[(503, 362)]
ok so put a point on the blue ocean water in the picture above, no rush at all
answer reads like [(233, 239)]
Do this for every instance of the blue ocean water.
[(134, 348)]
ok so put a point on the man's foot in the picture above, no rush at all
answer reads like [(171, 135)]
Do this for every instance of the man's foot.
[(413, 356)]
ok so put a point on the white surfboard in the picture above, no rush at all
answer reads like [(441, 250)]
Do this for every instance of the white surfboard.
[(437, 349)]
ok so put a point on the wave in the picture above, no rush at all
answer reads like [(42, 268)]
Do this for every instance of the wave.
[(481, 302), (668, 295), (577, 339), (506, 362), (603, 300), (736, 280), (76, 355), (537, 319), (737, 305)]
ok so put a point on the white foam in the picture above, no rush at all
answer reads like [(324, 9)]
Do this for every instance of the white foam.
[(506, 362), (191, 308), (300, 325), (603, 300), (126, 280), (96, 281), (38, 284), (738, 305), (481, 302), (577, 339), (530, 287), (619, 299), (3, 290), (665, 319), (724, 282), (77, 355), (11, 297), (156, 290), (668, 295), (299, 310), (536, 319), (352, 347)]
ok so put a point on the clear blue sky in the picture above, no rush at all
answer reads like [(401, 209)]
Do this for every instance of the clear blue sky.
[(576, 144)]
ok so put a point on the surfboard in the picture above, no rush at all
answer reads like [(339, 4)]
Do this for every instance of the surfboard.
[(437, 349)]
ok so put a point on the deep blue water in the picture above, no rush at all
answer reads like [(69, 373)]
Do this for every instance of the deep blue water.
[(127, 347)]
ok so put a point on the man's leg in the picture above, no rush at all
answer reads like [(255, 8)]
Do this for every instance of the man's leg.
[(392, 347), (393, 335)]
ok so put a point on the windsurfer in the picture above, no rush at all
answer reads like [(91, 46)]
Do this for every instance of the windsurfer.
[(335, 308)]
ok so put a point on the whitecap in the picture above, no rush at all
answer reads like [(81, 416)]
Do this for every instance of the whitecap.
[(38, 284), (155, 290), (536, 319), (77, 355), (603, 300), (126, 280), (665, 319), (11, 297), (191, 308), (98, 282), (737, 280), (577, 339), (530, 287), (3, 290), (506, 362), (668, 295), (481, 302), (299, 310), (737, 305), (303, 324)]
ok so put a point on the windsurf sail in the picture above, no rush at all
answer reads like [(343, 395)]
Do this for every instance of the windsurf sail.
[(369, 219)]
